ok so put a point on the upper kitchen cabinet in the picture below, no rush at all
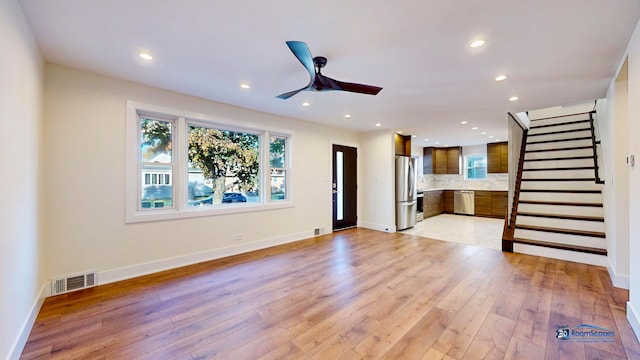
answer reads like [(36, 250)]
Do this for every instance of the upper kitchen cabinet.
[(403, 145), (498, 158), (437, 160)]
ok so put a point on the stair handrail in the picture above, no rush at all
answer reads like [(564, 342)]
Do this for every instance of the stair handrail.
[(598, 166), (514, 187)]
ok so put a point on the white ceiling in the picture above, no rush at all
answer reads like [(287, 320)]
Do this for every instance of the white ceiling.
[(554, 52)]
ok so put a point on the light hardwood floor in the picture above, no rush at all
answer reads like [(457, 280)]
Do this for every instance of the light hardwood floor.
[(355, 294)]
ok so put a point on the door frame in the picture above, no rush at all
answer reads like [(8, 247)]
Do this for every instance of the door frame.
[(358, 165)]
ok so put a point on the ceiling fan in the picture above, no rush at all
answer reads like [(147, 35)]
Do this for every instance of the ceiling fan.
[(318, 81)]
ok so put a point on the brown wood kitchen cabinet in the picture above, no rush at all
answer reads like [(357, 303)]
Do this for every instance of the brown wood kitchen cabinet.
[(433, 203), (499, 203), (448, 201), (482, 203), (491, 203), (498, 158), (440, 160), (402, 145)]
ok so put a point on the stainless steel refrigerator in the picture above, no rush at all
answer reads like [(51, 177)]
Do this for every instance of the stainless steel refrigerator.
[(406, 204)]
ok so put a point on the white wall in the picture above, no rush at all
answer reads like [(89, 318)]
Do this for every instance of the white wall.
[(633, 307), (20, 149), (612, 122), (85, 179), (377, 160)]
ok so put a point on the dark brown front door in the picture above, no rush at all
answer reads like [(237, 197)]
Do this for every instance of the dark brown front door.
[(344, 187)]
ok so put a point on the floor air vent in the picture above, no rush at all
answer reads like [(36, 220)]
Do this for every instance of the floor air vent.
[(71, 283)]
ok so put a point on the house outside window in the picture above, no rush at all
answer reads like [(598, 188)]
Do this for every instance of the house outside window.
[(184, 165), (475, 167)]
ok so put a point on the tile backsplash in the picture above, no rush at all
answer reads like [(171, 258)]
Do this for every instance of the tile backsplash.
[(457, 182)]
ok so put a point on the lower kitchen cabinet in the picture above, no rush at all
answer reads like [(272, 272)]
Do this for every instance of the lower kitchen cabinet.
[(487, 203), (433, 203), (499, 203), (491, 203), (448, 201), (482, 203)]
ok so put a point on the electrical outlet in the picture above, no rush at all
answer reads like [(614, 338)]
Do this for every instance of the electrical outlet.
[(316, 231), (631, 160), (238, 237)]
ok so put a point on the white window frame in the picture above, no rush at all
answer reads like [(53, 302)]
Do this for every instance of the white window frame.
[(179, 177), (466, 168)]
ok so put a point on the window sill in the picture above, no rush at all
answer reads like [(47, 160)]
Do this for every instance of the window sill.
[(200, 211)]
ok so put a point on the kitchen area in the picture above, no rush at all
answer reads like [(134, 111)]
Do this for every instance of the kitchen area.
[(461, 192)]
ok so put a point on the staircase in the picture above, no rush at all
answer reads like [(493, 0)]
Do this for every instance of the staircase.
[(560, 212)]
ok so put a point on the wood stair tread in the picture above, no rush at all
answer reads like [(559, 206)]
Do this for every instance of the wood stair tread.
[(584, 249), (558, 124), (570, 191), (558, 140), (562, 158), (562, 168), (561, 116), (558, 132), (560, 149), (564, 217), (560, 203), (562, 179), (562, 231)]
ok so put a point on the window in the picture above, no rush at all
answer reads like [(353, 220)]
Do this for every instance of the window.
[(475, 167), (156, 161), (183, 165), (277, 162)]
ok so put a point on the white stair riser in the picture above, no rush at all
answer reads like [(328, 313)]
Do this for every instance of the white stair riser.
[(559, 174), (560, 145), (561, 197), (559, 120), (560, 185), (559, 154), (571, 135), (585, 258), (560, 223), (539, 130), (557, 163), (562, 209), (565, 239)]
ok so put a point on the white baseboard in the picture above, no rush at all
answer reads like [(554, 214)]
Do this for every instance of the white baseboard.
[(27, 325), (379, 227), (110, 276), (633, 318), (619, 281)]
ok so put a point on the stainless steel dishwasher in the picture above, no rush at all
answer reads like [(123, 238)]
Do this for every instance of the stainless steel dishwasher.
[(463, 202)]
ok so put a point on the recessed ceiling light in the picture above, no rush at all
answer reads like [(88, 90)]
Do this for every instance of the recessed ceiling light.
[(414, 136), (145, 56), (463, 122), (437, 142), (484, 133), (477, 43), (305, 104), (378, 124), (347, 115), (497, 140), (446, 144), (490, 136), (474, 128), (501, 77), (245, 86), (399, 132), (514, 98), (426, 139)]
